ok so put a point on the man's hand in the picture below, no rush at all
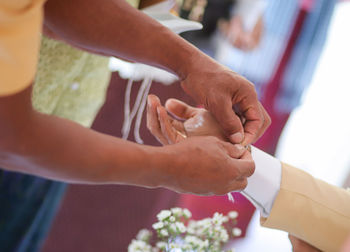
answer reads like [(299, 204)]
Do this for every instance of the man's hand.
[(208, 166), (227, 95), (222, 167), (300, 245)]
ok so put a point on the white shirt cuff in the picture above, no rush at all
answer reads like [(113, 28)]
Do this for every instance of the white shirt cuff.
[(264, 184)]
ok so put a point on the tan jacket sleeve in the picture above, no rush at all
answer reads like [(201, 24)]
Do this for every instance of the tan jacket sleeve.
[(311, 210), (20, 27)]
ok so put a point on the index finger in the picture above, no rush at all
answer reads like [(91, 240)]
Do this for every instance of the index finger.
[(227, 118)]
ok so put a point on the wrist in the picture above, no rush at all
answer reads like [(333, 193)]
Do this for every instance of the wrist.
[(157, 171), (164, 163), (189, 61)]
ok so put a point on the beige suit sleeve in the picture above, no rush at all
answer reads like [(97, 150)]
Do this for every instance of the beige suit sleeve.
[(20, 27), (311, 210)]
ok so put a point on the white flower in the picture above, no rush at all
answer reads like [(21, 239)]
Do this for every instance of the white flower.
[(172, 228), (162, 245), (205, 244), (158, 225), (195, 241), (144, 235), (233, 214), (174, 247), (172, 219), (224, 235), (181, 227), (164, 214), (176, 211), (204, 224), (218, 219), (164, 232), (187, 213), (236, 232), (139, 246)]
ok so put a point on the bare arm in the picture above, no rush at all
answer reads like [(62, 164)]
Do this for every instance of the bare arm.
[(59, 149), (113, 27)]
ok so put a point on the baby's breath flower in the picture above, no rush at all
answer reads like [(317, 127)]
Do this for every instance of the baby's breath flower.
[(161, 245), (158, 225), (218, 219), (187, 213), (139, 246), (164, 232), (181, 227), (144, 235), (224, 235), (236, 232), (233, 214), (172, 228), (208, 234), (177, 211), (174, 247), (164, 214), (195, 241)]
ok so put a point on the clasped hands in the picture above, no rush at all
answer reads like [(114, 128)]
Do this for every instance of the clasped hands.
[(210, 163)]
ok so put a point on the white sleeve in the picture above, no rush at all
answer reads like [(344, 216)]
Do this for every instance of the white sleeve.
[(264, 184), (249, 11)]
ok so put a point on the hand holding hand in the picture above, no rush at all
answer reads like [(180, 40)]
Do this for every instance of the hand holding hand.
[(209, 165), (225, 94)]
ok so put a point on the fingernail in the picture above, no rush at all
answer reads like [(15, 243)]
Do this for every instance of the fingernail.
[(236, 138), (240, 147)]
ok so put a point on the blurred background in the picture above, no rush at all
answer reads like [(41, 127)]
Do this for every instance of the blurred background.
[(296, 53)]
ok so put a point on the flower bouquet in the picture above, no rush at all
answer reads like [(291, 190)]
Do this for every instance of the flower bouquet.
[(176, 232)]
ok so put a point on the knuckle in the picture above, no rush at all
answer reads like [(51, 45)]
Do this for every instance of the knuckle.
[(251, 170), (243, 184)]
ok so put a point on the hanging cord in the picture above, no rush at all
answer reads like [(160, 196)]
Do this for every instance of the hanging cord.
[(129, 117), (126, 123), (137, 137)]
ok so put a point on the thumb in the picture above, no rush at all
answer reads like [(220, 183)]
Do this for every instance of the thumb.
[(180, 109), (228, 120)]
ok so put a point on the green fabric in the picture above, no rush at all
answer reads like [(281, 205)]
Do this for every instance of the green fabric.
[(70, 83), (134, 3)]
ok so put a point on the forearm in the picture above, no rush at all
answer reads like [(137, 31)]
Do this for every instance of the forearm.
[(59, 149), (122, 32)]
